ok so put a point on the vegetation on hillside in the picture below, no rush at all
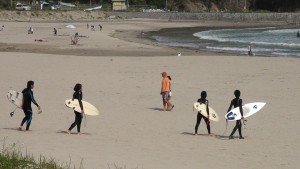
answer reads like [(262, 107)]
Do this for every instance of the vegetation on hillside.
[(196, 5)]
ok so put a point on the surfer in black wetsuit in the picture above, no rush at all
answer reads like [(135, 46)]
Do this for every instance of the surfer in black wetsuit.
[(27, 99), (237, 102), (78, 115), (203, 100)]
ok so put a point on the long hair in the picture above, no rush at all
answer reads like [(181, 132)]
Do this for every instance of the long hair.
[(29, 84), (77, 87)]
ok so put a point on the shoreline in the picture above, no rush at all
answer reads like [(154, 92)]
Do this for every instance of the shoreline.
[(134, 35)]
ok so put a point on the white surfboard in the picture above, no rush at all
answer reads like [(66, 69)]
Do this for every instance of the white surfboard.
[(17, 99), (88, 108), (248, 110), (202, 109)]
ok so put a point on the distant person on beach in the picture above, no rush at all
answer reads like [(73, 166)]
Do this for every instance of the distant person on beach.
[(75, 39), (92, 27), (27, 99), (2, 28), (250, 50), (237, 102), (78, 115), (203, 100), (298, 34), (30, 31), (100, 27), (87, 26), (55, 32), (170, 94), (40, 40), (165, 91)]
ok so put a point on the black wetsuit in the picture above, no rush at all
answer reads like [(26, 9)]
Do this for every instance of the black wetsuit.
[(200, 116), (237, 102), (27, 99), (78, 115)]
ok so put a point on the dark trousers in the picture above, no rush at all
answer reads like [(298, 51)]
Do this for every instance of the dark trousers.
[(238, 126), (78, 119), (199, 117), (28, 118)]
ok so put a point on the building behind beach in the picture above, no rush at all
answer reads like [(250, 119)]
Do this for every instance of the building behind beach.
[(119, 5)]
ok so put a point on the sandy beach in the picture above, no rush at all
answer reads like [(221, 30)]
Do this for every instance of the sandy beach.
[(120, 72)]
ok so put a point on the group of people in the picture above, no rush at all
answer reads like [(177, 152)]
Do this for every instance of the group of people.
[(167, 105), (93, 27), (27, 109)]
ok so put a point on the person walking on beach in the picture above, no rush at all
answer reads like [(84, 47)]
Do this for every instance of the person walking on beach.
[(203, 100), (2, 28), (27, 99), (165, 91), (100, 27), (78, 115), (87, 26), (298, 34), (237, 102), (170, 94), (250, 50)]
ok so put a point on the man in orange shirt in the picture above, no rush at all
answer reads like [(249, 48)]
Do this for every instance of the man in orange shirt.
[(165, 91)]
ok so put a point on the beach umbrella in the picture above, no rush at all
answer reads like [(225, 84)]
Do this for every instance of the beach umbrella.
[(71, 26)]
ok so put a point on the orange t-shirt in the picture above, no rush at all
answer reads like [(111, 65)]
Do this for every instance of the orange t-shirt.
[(165, 87)]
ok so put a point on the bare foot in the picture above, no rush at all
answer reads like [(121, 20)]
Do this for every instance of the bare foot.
[(78, 133), (68, 131), (20, 128), (172, 107)]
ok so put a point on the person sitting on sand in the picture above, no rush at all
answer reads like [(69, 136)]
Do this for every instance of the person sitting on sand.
[(78, 115), (203, 100), (75, 39), (237, 102), (30, 31)]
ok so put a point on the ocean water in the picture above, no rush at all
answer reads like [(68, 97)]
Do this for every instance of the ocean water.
[(268, 41)]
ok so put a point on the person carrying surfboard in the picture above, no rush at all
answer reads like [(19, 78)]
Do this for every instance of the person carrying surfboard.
[(27, 99), (237, 102), (78, 115), (203, 100), (165, 92)]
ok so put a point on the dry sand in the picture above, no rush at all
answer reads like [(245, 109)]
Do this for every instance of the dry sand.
[(131, 131)]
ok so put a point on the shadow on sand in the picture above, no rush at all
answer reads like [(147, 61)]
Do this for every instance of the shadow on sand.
[(156, 108), (65, 132)]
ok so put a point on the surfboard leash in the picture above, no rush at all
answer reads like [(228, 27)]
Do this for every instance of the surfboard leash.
[(85, 121), (226, 127), (13, 112)]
